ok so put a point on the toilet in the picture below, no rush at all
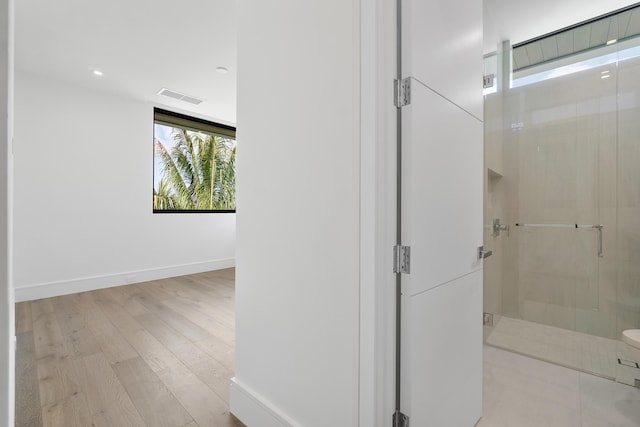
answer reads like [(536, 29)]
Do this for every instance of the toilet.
[(631, 337)]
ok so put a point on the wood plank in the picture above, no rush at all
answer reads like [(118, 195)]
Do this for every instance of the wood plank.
[(222, 307), (218, 281), (72, 318), (157, 288), (152, 399), (222, 287), (56, 376), (206, 407), (23, 317), (125, 296), (218, 350), (220, 296), (70, 412), (171, 317), (27, 407), (186, 287), (210, 371), (108, 402), (207, 322), (114, 346), (146, 345), (226, 276), (182, 291)]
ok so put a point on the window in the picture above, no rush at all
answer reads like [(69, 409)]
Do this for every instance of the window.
[(194, 164)]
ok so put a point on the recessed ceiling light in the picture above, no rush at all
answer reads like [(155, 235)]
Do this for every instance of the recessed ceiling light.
[(97, 73), (606, 76), (612, 41), (222, 70), (604, 72)]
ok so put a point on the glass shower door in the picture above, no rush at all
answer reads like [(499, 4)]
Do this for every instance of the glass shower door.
[(553, 188), (562, 166), (559, 136)]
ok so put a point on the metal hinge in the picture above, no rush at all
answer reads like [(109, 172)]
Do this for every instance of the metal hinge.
[(402, 92), (488, 81), (400, 420), (482, 254), (402, 259)]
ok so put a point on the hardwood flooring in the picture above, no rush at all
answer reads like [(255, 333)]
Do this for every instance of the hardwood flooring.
[(158, 353)]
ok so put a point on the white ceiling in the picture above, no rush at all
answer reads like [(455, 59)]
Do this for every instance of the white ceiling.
[(522, 20), (140, 45)]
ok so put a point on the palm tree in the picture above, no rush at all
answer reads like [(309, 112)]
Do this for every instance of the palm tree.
[(163, 199), (197, 174)]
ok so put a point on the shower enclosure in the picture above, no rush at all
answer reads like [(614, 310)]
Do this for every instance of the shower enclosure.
[(562, 195)]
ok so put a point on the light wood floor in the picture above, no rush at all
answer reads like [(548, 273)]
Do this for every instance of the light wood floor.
[(158, 353)]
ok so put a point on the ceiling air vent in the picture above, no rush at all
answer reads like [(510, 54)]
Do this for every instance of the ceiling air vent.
[(180, 96)]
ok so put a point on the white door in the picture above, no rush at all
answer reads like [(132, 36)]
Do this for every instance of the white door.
[(441, 363)]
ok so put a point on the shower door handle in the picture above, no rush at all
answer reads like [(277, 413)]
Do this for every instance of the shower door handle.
[(482, 254), (599, 241)]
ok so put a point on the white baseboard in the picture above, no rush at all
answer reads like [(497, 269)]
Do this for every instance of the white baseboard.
[(46, 290), (255, 411)]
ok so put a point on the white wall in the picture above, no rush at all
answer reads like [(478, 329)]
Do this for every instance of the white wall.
[(7, 395), (297, 292), (83, 203)]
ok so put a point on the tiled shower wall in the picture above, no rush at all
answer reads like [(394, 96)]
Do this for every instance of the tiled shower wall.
[(566, 150)]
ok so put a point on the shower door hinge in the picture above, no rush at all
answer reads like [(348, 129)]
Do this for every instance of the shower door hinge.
[(488, 81), (402, 92), (400, 419), (402, 259)]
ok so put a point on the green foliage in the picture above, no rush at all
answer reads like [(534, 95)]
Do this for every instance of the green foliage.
[(198, 174)]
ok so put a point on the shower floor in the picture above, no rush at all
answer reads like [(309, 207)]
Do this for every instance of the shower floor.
[(584, 352)]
